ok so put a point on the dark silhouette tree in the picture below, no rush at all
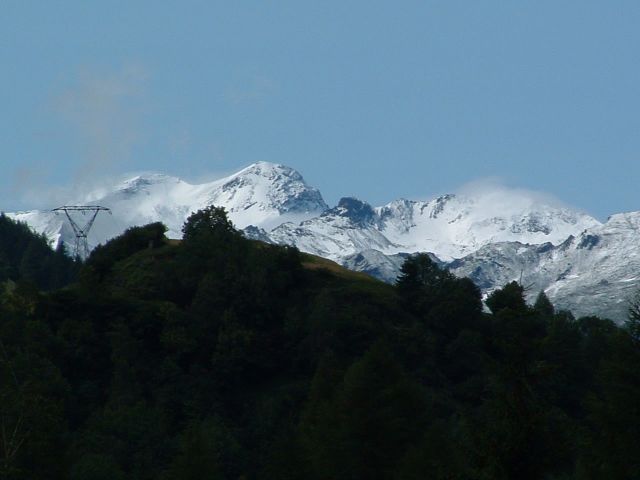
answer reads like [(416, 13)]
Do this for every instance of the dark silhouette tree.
[(543, 305), (511, 296), (210, 221)]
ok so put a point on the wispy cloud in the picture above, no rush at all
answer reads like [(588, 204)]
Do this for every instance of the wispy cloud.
[(495, 194), (103, 112), (100, 114)]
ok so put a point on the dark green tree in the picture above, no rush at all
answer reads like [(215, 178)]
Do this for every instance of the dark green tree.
[(210, 221), (543, 305), (207, 450), (418, 272), (96, 466), (518, 432), (134, 239), (614, 415), (632, 323), (364, 429), (511, 297)]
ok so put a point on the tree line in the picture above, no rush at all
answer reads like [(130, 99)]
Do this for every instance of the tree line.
[(225, 358)]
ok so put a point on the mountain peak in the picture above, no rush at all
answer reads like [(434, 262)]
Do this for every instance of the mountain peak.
[(272, 186), (270, 171), (143, 180), (356, 210), (439, 204)]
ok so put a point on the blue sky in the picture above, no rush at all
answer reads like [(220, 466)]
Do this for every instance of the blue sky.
[(374, 99)]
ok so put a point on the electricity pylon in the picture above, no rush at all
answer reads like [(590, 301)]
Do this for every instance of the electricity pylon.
[(81, 248)]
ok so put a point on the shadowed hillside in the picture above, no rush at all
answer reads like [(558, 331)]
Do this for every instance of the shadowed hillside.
[(223, 357)]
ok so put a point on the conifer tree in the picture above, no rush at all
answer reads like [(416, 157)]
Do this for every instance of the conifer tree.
[(543, 305)]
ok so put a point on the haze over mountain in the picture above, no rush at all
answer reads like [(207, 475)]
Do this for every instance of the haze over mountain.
[(491, 235)]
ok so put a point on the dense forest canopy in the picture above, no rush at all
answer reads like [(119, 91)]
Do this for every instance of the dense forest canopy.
[(27, 256), (225, 358)]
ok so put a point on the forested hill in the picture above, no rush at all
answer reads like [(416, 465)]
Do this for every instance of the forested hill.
[(27, 256), (225, 358)]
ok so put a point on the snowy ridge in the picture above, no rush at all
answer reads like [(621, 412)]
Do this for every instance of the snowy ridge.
[(450, 226), (262, 194), (454, 225), (493, 236), (596, 272)]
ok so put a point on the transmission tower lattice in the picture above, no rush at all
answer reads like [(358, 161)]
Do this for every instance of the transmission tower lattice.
[(81, 248)]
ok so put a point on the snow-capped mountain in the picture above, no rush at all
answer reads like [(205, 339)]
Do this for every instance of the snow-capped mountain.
[(263, 194), (450, 226), (493, 236), (596, 272)]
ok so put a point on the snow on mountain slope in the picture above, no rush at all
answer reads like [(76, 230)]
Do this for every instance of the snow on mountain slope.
[(493, 236), (453, 226), (379, 265), (263, 194), (54, 227), (277, 200), (603, 269), (341, 231), (597, 272), (450, 226)]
